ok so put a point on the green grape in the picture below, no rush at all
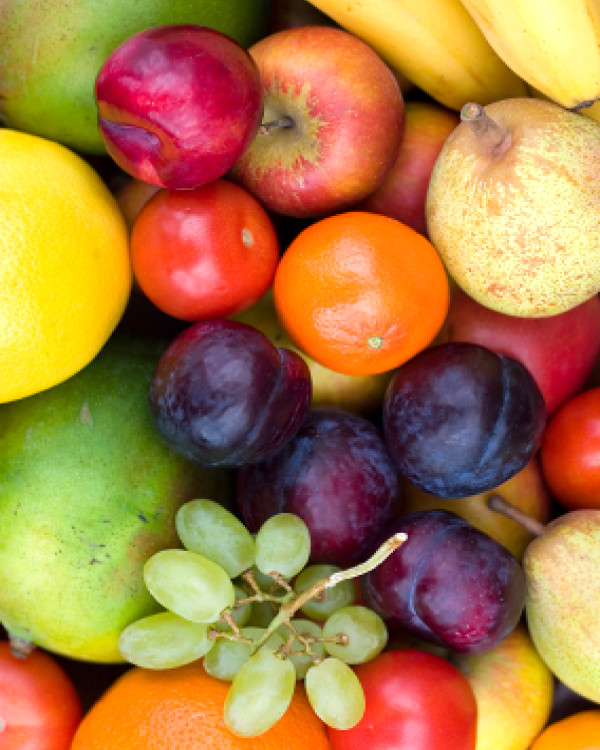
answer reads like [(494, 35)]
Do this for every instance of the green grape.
[(207, 527), (163, 641), (367, 634), (335, 693), (226, 657), (282, 544), (260, 693), (188, 584), (330, 600), (240, 613), (302, 661)]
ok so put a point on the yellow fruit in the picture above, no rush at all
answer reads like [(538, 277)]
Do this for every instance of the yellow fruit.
[(65, 275)]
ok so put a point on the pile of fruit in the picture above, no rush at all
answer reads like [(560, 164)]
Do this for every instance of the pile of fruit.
[(299, 375)]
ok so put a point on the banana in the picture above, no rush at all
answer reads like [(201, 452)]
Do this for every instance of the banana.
[(553, 45), (433, 43)]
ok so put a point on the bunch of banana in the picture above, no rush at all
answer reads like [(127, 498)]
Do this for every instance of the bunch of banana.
[(434, 43), (553, 45)]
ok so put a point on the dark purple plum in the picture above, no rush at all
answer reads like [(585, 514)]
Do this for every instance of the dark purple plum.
[(224, 395), (178, 104), (460, 419), (337, 475), (448, 583)]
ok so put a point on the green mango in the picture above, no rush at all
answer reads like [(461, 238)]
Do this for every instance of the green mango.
[(88, 492), (51, 51)]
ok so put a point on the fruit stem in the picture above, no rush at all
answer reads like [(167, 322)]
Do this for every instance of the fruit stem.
[(281, 122), (20, 647), (493, 136), (500, 505), (289, 609)]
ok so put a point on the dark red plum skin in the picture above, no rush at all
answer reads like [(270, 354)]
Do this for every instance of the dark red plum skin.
[(459, 419), (178, 104), (224, 395), (448, 583), (337, 475)]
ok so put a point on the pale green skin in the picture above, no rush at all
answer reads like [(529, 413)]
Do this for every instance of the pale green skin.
[(51, 51), (88, 492), (563, 599)]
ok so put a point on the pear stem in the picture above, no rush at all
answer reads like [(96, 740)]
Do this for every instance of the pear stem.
[(500, 505), (488, 132)]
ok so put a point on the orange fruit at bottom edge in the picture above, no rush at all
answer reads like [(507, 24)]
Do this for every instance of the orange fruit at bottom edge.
[(183, 708), (580, 731), (361, 293)]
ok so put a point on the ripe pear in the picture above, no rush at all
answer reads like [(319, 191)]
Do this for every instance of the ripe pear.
[(562, 569), (88, 492), (513, 206), (51, 51)]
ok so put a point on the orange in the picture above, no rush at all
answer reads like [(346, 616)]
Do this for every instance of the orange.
[(361, 293), (580, 731), (65, 274), (182, 709)]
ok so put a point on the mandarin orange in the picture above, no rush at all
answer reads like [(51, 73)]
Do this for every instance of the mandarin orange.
[(182, 709), (361, 293), (579, 731)]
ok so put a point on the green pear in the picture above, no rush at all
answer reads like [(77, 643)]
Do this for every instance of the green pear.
[(562, 568), (88, 492), (51, 51)]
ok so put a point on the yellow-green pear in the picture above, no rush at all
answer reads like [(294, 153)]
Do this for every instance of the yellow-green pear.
[(562, 606), (513, 206)]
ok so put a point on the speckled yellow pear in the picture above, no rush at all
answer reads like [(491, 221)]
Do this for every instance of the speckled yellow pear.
[(513, 206), (563, 599)]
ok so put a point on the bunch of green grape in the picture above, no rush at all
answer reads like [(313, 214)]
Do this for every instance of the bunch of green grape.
[(258, 616)]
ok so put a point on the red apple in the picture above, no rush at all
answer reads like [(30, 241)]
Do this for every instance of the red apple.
[(559, 351), (178, 104), (402, 194), (332, 126)]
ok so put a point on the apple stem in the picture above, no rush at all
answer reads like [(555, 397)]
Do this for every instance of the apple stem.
[(500, 505), (281, 122), (488, 132)]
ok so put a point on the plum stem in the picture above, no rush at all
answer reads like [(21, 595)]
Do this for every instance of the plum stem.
[(499, 504), (281, 122), (491, 134)]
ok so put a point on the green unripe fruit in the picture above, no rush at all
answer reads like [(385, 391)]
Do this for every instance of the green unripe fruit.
[(88, 492)]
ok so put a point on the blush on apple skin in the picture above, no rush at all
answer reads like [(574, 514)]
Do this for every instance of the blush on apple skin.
[(345, 121), (559, 351), (178, 104), (402, 194)]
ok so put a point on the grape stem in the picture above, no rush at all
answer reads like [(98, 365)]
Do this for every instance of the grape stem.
[(290, 604)]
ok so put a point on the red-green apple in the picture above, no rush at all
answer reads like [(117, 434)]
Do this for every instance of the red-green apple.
[(525, 490), (332, 125), (358, 394), (514, 690), (402, 193), (559, 351)]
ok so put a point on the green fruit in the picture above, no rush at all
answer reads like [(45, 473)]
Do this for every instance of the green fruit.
[(51, 51), (88, 492)]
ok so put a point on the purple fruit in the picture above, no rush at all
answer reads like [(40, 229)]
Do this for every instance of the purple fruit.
[(224, 395), (178, 104), (449, 583), (337, 475), (460, 419)]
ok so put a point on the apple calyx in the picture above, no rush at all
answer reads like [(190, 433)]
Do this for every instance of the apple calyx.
[(498, 504), (490, 134)]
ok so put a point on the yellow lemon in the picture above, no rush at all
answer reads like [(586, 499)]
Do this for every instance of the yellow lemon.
[(65, 273)]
